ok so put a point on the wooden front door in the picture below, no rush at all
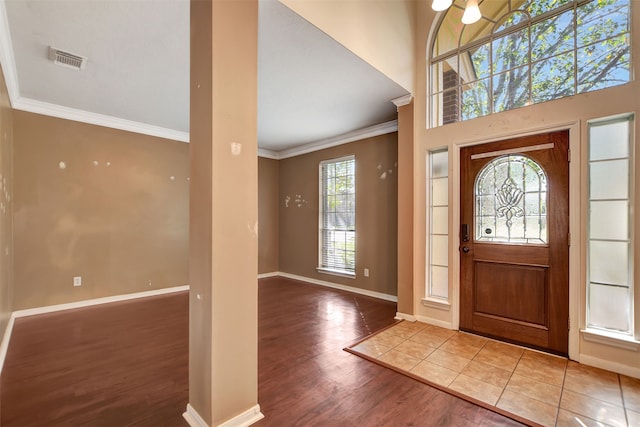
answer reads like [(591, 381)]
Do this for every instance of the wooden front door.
[(514, 241)]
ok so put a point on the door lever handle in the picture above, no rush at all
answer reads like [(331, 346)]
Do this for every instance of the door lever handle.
[(465, 249)]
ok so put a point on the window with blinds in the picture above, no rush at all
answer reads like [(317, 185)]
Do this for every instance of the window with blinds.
[(337, 222)]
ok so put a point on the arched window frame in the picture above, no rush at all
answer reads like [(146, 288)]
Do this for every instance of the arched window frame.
[(446, 104)]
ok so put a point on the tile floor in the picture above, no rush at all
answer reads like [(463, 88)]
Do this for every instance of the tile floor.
[(548, 390)]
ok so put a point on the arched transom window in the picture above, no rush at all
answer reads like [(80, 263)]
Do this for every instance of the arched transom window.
[(525, 52)]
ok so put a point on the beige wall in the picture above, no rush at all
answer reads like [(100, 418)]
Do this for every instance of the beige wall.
[(376, 213), (571, 113), (104, 204), (381, 32), (6, 207), (268, 215)]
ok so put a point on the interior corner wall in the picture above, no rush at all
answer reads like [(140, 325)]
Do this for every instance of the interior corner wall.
[(268, 215), (107, 205), (376, 213), (6, 207)]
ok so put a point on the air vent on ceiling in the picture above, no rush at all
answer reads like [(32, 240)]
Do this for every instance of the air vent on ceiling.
[(67, 59)]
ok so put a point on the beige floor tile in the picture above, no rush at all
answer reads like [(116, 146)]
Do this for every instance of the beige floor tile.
[(593, 408), (593, 382), (487, 373), (387, 339), (531, 409), (434, 373), (415, 349), (462, 346), (541, 369), (406, 329), (633, 417), (544, 392), (504, 348), (492, 357), (471, 339), (569, 419), (546, 359), (448, 360), (477, 389), (631, 392), (370, 348), (426, 337), (399, 360)]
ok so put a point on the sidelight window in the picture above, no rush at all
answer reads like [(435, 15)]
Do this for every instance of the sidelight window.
[(337, 234), (610, 250)]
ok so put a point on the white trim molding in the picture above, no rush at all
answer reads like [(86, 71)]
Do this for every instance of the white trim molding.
[(352, 289), (4, 346), (608, 365), (267, 275), (610, 339), (356, 135), (6, 56), (436, 303), (193, 418), (53, 110), (403, 100), (247, 418), (97, 301), (407, 317)]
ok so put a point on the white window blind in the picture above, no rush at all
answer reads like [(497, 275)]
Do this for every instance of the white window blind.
[(337, 249)]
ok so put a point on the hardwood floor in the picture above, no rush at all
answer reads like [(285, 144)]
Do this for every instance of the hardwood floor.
[(120, 364), (125, 364), (306, 379)]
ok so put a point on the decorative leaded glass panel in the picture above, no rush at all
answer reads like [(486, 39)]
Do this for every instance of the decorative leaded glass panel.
[(511, 201)]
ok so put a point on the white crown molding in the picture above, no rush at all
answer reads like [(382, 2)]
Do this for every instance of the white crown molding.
[(403, 100), (39, 107), (6, 56), (356, 135), (268, 154), (98, 301)]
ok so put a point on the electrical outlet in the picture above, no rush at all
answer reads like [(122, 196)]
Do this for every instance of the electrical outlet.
[(366, 272), (77, 281)]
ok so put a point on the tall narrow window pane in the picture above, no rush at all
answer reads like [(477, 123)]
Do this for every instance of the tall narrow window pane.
[(337, 216), (610, 258), (437, 276)]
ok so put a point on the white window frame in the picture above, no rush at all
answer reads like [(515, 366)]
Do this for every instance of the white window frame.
[(323, 265)]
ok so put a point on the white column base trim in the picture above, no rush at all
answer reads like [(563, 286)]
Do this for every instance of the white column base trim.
[(4, 346), (193, 418), (97, 301), (247, 418), (435, 322), (608, 365), (352, 289)]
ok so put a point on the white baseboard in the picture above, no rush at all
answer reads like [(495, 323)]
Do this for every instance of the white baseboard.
[(193, 418), (407, 317), (248, 417), (4, 346), (360, 291), (608, 365), (435, 322), (266, 275), (97, 301)]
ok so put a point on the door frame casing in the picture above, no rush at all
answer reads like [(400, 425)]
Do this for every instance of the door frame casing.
[(576, 305)]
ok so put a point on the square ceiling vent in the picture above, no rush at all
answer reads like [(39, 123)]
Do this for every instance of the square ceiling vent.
[(67, 59)]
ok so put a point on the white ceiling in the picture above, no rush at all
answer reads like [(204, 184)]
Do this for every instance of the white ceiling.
[(310, 88)]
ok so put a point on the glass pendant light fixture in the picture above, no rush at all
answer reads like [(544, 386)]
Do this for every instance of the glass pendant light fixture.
[(471, 11)]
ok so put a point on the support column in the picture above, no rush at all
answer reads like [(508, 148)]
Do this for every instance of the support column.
[(223, 262), (405, 207)]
